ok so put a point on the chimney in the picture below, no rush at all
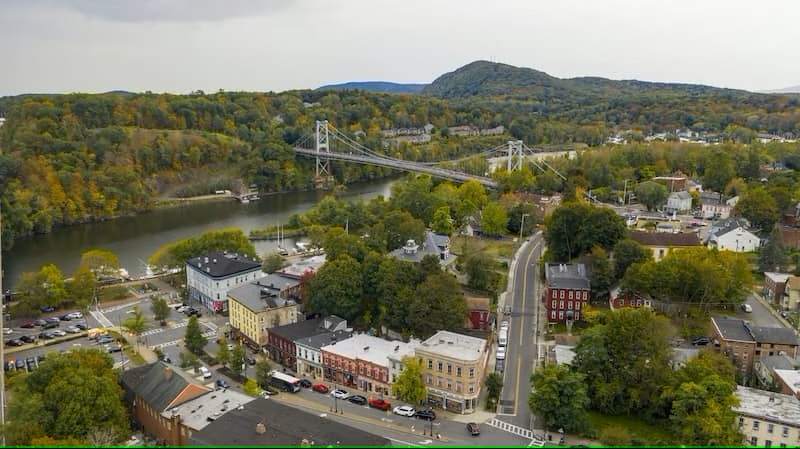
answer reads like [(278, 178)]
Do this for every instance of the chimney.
[(261, 428), (167, 373)]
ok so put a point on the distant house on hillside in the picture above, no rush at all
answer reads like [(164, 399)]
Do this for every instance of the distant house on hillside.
[(661, 243)]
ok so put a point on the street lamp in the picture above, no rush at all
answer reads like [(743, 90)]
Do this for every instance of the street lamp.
[(335, 408), (522, 225)]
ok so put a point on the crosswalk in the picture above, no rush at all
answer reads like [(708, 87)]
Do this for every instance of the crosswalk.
[(101, 318), (511, 428), (207, 334)]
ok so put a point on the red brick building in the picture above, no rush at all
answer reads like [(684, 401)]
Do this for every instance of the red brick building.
[(567, 289)]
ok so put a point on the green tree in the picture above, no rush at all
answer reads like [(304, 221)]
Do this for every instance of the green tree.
[(102, 262), (575, 228), (135, 323), (759, 207), (442, 223), (400, 226), (559, 396), (177, 253), (237, 359), (223, 355), (189, 360), (263, 371), (626, 253), (81, 289), (338, 242), (438, 304), (337, 288), (272, 263), (409, 386), (160, 309), (194, 339), (481, 275), (651, 194), (494, 219), (251, 387), (494, 385), (602, 275), (772, 254), (70, 396)]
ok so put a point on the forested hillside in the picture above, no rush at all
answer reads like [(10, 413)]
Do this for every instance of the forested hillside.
[(82, 157)]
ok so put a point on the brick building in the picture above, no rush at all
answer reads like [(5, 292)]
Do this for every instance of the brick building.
[(567, 289)]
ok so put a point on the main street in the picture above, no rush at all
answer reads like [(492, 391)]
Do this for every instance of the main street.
[(523, 349)]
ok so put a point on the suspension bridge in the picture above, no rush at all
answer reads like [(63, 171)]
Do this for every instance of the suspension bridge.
[(331, 144)]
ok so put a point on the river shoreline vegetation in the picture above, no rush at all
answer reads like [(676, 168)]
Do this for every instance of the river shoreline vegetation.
[(77, 158)]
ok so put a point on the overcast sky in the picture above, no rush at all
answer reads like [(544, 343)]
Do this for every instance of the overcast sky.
[(276, 45)]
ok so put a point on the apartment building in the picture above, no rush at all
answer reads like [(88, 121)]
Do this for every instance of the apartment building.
[(768, 419)]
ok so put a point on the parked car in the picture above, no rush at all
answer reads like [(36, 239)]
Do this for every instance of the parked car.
[(75, 315), (357, 399), (28, 338), (340, 394), (379, 404), (46, 335), (473, 429), (47, 309), (50, 325), (10, 366), (427, 414), (404, 410), (15, 342), (58, 332), (305, 383), (31, 362), (81, 326), (53, 319), (205, 372), (40, 322), (700, 341), (251, 360), (222, 383), (7, 331), (30, 324), (785, 314), (72, 330), (20, 364), (501, 353), (747, 308), (320, 388)]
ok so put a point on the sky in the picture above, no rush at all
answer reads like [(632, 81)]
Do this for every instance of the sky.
[(179, 46)]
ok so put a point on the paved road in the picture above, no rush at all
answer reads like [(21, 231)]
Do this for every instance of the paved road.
[(523, 349)]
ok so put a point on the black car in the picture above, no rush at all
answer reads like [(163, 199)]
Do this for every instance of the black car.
[(81, 326), (15, 342), (46, 336), (31, 362), (28, 338), (222, 383), (251, 360), (50, 325), (700, 341), (357, 399), (20, 364), (429, 415), (305, 383), (473, 429)]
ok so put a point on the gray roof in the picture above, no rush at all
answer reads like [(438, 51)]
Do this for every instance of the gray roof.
[(222, 264), (160, 383), (566, 275), (283, 426), (741, 330), (684, 195), (263, 293), (324, 339), (664, 238), (777, 362), (433, 245), (309, 328)]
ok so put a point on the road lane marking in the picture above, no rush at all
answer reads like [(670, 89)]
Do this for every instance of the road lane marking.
[(516, 394)]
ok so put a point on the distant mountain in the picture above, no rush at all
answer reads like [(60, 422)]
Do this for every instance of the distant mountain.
[(484, 78), (378, 86), (785, 90)]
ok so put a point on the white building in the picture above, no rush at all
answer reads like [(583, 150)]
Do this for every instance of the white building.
[(679, 202), (734, 238), (768, 419), (211, 276)]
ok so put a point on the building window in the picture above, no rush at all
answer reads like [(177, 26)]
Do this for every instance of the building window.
[(753, 441), (449, 384), (561, 315), (430, 364), (458, 387), (569, 305), (430, 380), (472, 388), (770, 428), (471, 372), (561, 295), (553, 315), (439, 366), (561, 304), (741, 421), (458, 371), (449, 369), (785, 432), (768, 443), (755, 425), (570, 294), (438, 381), (554, 304)]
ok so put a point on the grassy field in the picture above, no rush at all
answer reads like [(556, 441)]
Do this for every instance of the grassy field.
[(632, 428), (500, 249)]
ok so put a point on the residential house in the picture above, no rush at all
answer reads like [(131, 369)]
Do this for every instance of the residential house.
[(303, 267), (765, 369), (661, 243), (567, 289), (733, 237), (744, 343), (791, 215), (768, 419), (269, 423), (258, 306), (774, 286), (453, 369), (712, 206), (282, 340), (209, 277), (791, 294), (478, 311), (365, 362), (309, 351), (171, 404), (434, 244), (680, 201), (628, 298)]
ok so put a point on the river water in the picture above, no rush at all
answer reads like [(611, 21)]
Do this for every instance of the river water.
[(134, 239)]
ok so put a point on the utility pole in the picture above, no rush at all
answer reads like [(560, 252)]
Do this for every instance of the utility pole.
[(522, 225)]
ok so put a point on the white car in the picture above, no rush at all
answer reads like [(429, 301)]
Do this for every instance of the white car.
[(7, 330), (501, 353), (747, 308), (504, 325), (340, 394), (205, 372), (75, 315), (404, 410)]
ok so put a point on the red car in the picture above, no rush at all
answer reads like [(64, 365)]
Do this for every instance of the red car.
[(320, 388), (379, 403)]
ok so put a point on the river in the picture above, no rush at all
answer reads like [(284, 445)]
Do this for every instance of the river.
[(135, 239)]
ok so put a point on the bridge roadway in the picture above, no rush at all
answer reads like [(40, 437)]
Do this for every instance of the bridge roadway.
[(399, 165)]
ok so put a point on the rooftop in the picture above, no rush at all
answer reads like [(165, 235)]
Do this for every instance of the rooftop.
[(263, 293), (778, 278), (324, 339), (372, 349), (163, 385), (567, 275), (281, 426), (791, 378), (455, 346), (199, 412), (734, 329), (311, 264), (664, 238), (774, 407), (432, 244), (222, 264), (309, 328)]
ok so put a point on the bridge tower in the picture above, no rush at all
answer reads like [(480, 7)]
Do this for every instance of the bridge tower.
[(323, 177), (514, 159)]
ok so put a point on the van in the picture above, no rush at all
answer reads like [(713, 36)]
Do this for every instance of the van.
[(205, 372), (502, 339)]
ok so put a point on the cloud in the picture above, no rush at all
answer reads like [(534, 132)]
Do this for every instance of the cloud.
[(162, 10)]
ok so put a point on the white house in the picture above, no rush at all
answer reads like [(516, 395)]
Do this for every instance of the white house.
[(679, 202), (211, 276), (768, 419), (734, 238)]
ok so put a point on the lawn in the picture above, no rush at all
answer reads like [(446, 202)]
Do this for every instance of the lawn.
[(497, 248), (639, 432)]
